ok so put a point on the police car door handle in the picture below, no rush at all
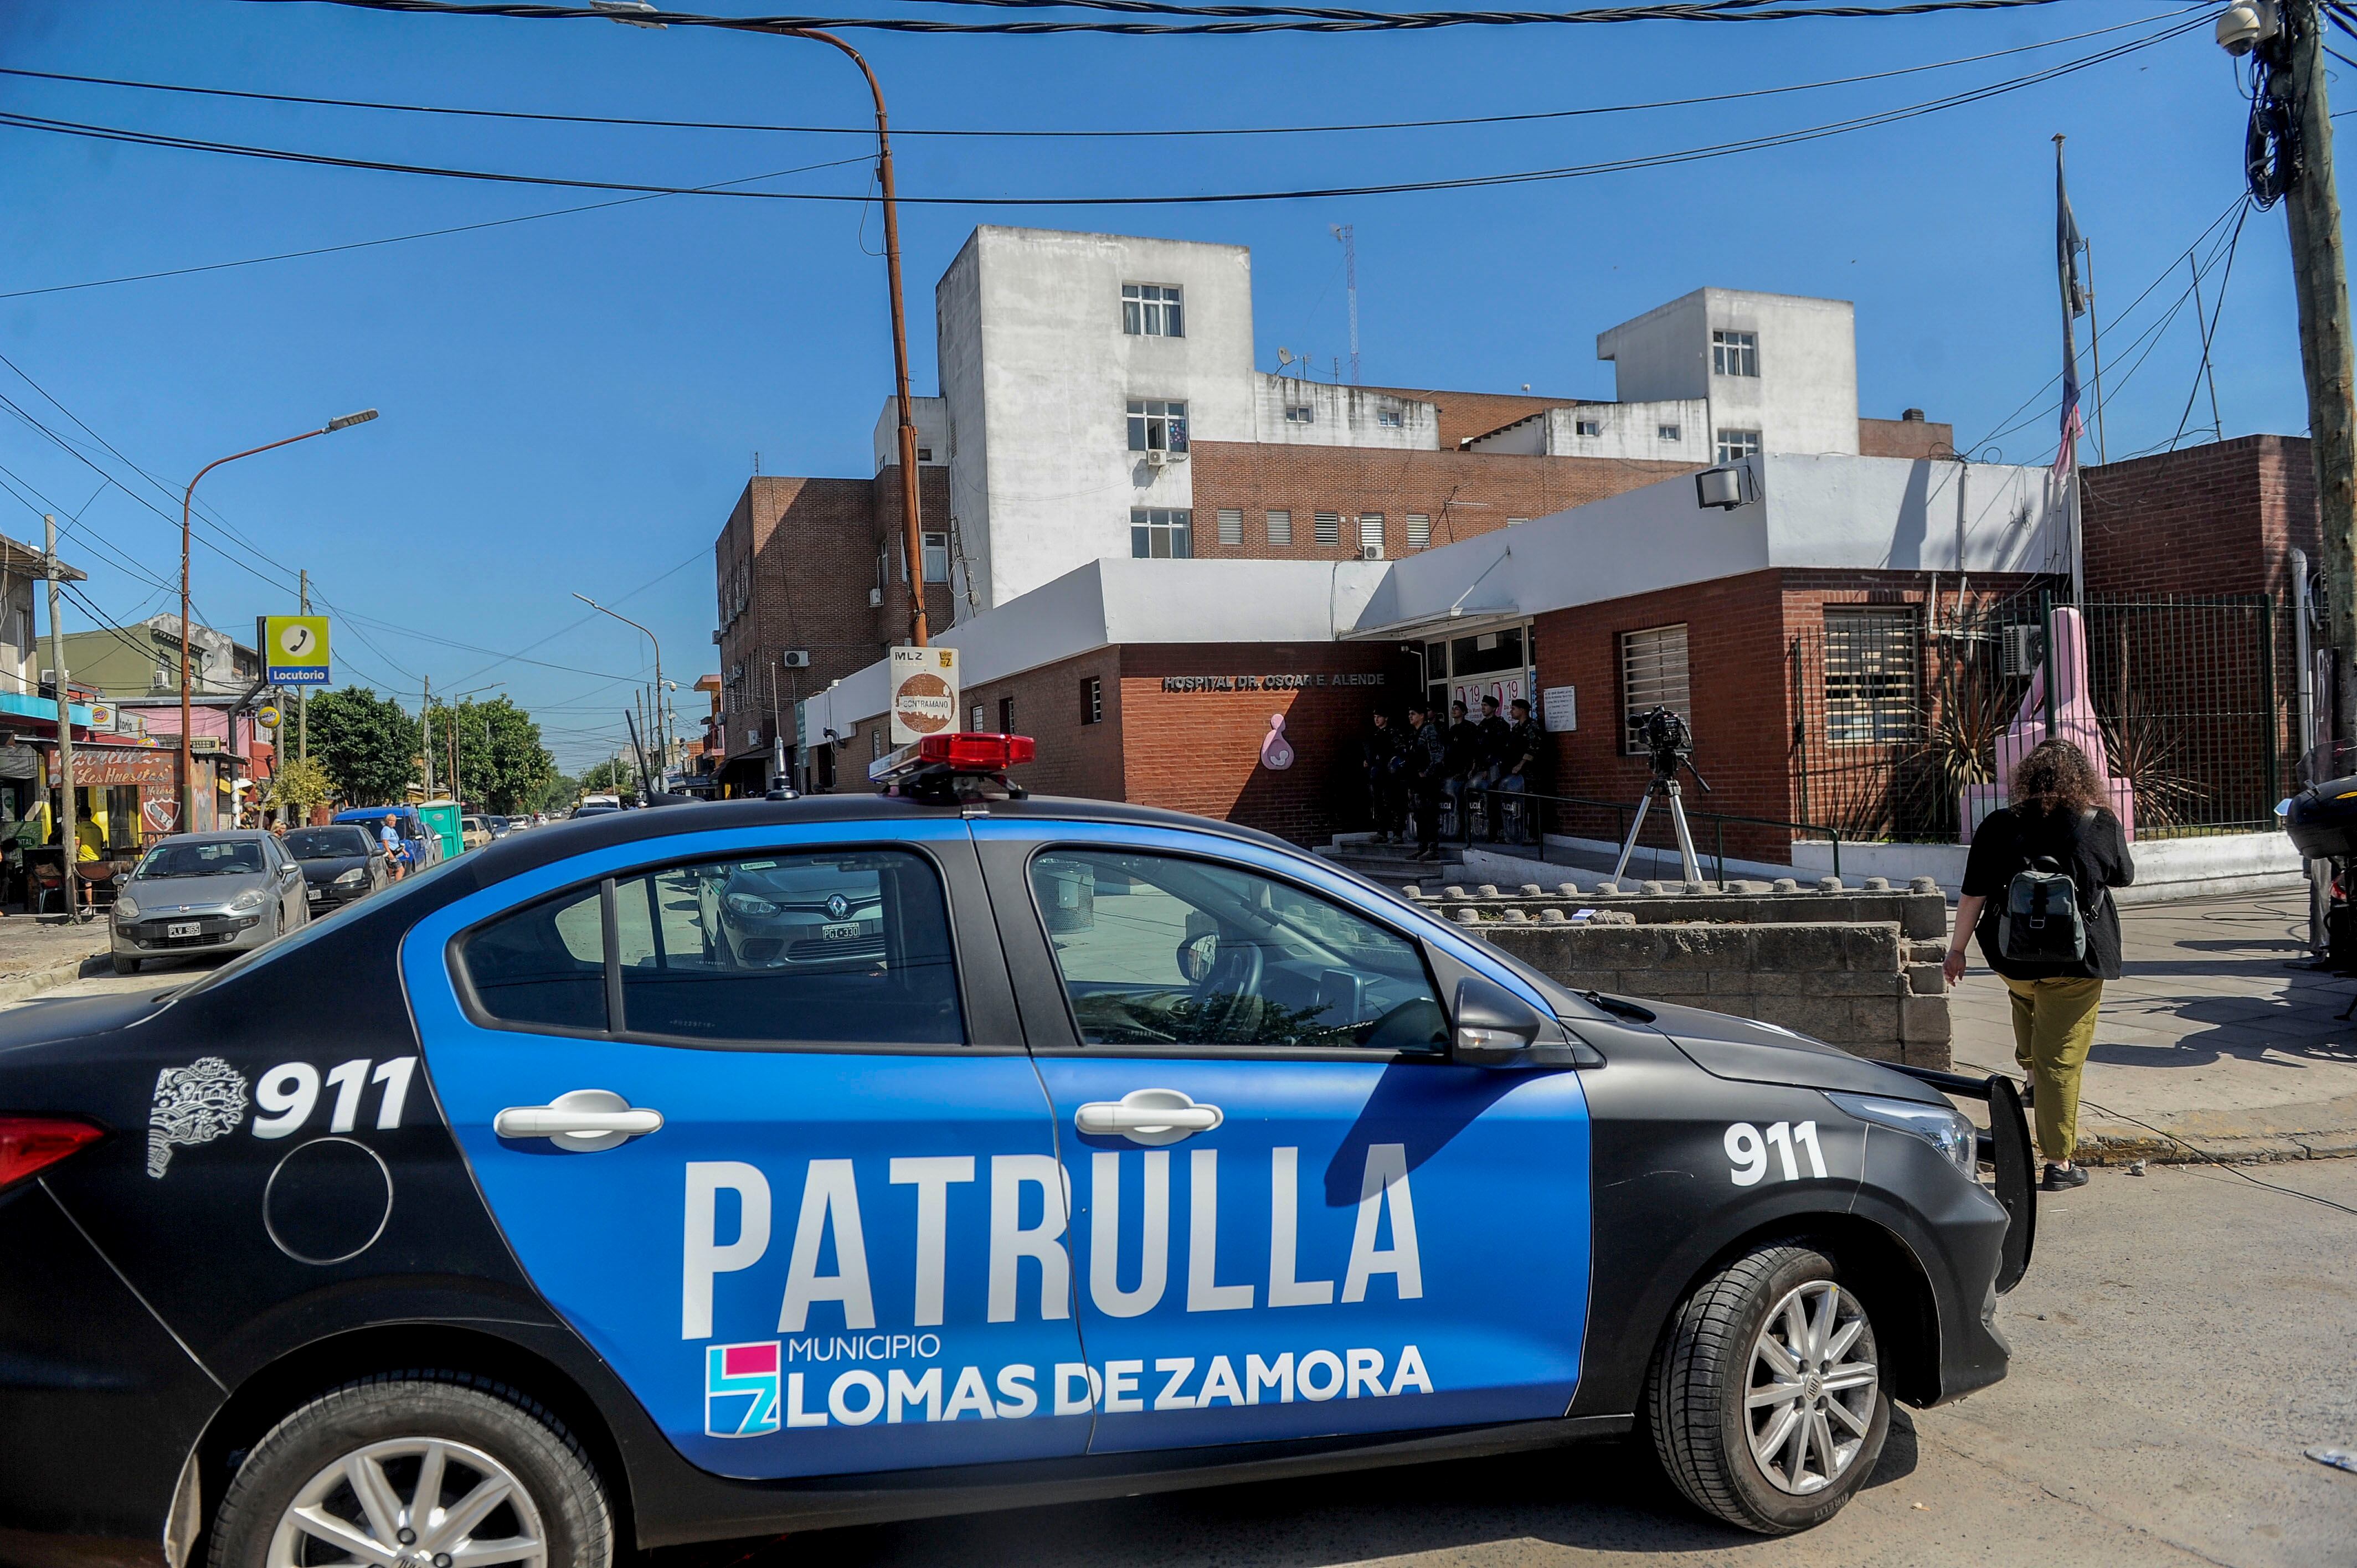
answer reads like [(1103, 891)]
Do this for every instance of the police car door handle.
[(1153, 1117), (585, 1121)]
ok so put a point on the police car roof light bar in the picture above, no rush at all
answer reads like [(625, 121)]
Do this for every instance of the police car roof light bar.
[(954, 767)]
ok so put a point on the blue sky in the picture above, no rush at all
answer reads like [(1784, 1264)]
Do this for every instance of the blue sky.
[(573, 404)]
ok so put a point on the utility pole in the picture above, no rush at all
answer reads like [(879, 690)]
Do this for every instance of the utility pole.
[(426, 720), (303, 694), (1349, 234), (2291, 117), (68, 821)]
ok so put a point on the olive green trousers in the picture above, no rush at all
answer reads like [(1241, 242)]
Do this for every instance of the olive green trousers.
[(2053, 1028)]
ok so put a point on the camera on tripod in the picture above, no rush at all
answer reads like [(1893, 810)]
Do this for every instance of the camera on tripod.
[(1669, 741)]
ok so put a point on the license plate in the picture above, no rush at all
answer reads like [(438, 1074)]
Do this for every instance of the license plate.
[(842, 933), (183, 929), (315, 894)]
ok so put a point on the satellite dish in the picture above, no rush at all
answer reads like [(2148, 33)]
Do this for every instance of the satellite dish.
[(1285, 356)]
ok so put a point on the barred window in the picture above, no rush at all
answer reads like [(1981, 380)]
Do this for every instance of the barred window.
[(1872, 658), (1161, 532), (1280, 528), (1091, 700), (1652, 675), (1326, 528), (1232, 525), (1007, 715), (974, 718), (1371, 534), (1736, 445), (1419, 531), (1735, 353), (1151, 310)]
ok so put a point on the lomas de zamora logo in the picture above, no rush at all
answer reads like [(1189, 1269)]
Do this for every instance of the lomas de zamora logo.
[(740, 1389)]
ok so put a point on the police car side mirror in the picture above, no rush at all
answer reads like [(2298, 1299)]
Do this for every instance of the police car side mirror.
[(1493, 1026)]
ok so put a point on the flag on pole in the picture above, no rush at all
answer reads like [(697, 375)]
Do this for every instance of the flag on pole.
[(2068, 245)]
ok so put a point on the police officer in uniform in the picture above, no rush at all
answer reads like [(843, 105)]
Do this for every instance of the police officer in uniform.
[(1461, 769), (1428, 762), (1524, 756), (1491, 736), (1381, 757)]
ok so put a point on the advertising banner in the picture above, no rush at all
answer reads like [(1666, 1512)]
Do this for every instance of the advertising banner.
[(924, 692), (295, 651)]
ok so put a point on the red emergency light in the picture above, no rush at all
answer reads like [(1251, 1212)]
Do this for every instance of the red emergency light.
[(937, 765), (27, 1143)]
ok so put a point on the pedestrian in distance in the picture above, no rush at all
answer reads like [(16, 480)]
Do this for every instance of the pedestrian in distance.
[(1464, 739), (396, 854), (1380, 759), (2037, 893), (1427, 760)]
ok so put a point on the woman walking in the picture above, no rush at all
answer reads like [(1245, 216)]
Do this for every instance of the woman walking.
[(2056, 825)]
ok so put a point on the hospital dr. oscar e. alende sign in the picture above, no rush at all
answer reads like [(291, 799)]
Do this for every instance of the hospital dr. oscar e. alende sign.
[(1267, 683)]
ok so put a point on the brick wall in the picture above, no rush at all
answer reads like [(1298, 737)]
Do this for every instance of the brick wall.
[(2214, 519), (1905, 438), (1464, 493)]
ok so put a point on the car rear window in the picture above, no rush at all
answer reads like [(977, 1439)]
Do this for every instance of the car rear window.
[(545, 964)]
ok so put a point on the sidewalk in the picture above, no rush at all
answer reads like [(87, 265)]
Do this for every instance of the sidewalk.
[(2215, 1037), (36, 954)]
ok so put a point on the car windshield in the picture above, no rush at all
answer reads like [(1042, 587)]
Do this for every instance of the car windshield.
[(216, 857), (327, 843)]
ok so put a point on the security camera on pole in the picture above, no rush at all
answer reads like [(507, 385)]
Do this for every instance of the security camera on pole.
[(2288, 156)]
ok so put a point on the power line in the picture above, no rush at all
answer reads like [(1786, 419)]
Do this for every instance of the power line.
[(1574, 171), (1260, 18), (868, 132)]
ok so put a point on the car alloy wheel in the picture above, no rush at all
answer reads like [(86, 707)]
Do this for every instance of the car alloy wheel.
[(1810, 1397), (412, 1503)]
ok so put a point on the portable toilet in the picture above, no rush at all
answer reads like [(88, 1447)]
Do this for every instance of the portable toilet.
[(442, 818)]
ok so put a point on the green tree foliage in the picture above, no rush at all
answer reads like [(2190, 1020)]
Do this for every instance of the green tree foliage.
[(367, 745), (560, 794), (502, 766), (299, 785), (616, 776)]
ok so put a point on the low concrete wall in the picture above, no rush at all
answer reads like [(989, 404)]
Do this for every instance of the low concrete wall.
[(1920, 912), (2212, 865), (1862, 986)]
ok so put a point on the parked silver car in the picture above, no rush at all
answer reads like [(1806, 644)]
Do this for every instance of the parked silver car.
[(202, 892)]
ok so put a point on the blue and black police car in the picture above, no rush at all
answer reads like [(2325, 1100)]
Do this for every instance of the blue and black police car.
[(682, 1175)]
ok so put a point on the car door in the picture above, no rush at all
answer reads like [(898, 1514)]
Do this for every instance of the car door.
[(780, 1159), (1293, 1215)]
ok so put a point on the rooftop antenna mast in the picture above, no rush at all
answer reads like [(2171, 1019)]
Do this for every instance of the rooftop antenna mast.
[(1347, 234)]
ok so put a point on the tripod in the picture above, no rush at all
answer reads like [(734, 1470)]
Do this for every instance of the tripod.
[(1666, 788)]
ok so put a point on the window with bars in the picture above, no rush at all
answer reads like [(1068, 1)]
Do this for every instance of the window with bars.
[(1872, 655), (1735, 353), (1232, 526), (1151, 310), (1652, 675), (1419, 531), (1280, 528), (1326, 528), (1158, 425), (1734, 445), (1007, 715), (1091, 700), (1371, 533), (1161, 532), (974, 718)]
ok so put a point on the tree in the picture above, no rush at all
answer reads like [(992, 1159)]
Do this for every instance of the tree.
[(558, 794), (367, 744), (299, 786), (617, 777), (502, 766)]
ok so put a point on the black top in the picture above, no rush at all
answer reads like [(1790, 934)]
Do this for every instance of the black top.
[(2090, 847), (1526, 747), (1494, 735), (1464, 745)]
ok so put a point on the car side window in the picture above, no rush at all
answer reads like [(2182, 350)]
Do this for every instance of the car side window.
[(849, 946), (1162, 950), (544, 964)]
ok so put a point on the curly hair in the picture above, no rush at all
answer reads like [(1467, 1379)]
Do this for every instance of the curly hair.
[(2056, 776)]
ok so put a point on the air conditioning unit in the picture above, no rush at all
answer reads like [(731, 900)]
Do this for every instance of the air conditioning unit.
[(1371, 551), (875, 599), (795, 659), (737, 674), (2021, 649), (1156, 459)]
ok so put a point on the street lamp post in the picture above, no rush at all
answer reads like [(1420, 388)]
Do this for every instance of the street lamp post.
[(187, 500), (649, 637)]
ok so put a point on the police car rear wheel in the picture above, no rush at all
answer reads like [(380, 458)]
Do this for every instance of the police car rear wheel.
[(1765, 1401), (419, 1470)]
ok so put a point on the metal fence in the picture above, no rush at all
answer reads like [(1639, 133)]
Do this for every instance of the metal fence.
[(1895, 718)]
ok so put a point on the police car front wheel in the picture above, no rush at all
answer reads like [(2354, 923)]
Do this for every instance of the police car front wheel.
[(418, 1470), (1766, 1400)]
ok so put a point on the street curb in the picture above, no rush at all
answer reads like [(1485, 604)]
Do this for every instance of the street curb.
[(33, 982), (2121, 1148)]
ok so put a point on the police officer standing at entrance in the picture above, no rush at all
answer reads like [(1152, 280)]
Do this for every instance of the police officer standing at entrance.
[(1525, 755), (1491, 737), (1427, 764), (1381, 754), (1461, 769)]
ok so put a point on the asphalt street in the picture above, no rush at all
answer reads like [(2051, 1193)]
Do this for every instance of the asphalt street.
[(2181, 1338)]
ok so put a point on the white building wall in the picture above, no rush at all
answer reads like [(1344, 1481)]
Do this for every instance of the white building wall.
[(1035, 362), (1341, 416), (1676, 431), (932, 417), (1805, 399)]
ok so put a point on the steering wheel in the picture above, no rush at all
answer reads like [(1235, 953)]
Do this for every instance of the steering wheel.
[(1230, 993)]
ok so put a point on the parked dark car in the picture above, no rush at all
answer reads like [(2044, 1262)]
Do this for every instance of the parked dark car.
[(341, 864)]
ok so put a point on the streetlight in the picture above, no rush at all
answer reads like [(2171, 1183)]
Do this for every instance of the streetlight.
[(649, 636), (187, 764), (644, 14)]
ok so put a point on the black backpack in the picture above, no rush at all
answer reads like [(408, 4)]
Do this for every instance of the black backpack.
[(2041, 921)]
